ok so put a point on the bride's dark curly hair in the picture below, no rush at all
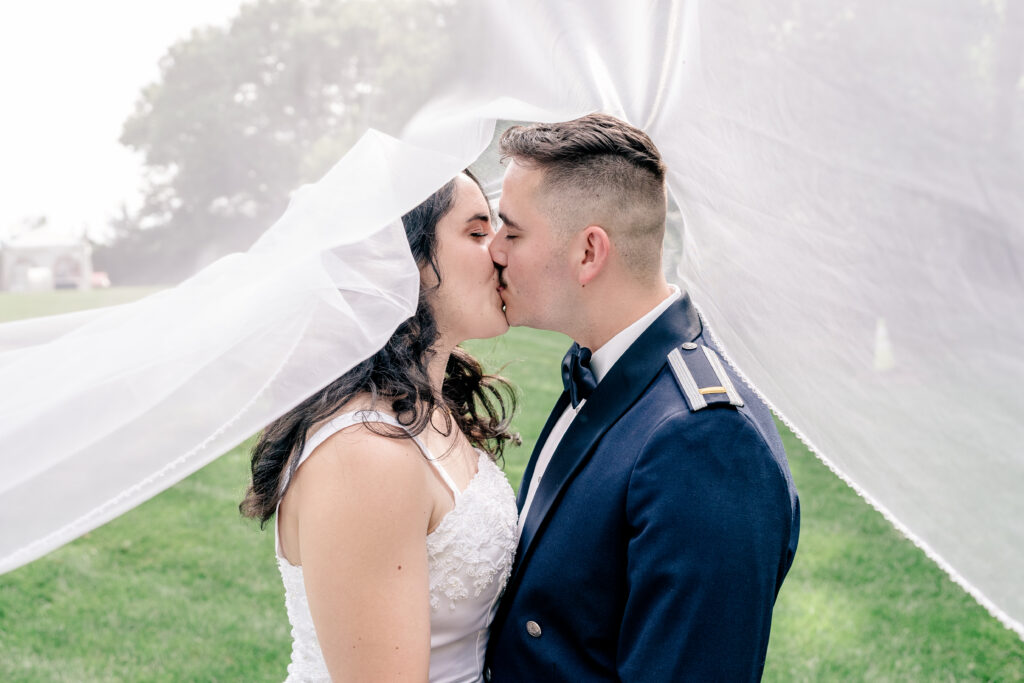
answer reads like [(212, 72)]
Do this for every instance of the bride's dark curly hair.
[(478, 404)]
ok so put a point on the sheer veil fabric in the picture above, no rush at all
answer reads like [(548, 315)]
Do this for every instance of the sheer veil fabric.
[(850, 185)]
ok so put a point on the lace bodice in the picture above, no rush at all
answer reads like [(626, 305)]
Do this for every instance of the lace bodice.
[(469, 557)]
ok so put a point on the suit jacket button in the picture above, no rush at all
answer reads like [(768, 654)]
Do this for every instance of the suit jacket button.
[(533, 628), (487, 674)]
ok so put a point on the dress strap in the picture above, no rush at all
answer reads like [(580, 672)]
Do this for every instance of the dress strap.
[(335, 425), (349, 419), (440, 470)]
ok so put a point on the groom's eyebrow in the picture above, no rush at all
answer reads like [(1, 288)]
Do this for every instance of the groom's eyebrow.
[(507, 221)]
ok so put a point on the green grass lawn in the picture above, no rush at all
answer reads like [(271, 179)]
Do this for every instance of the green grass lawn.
[(35, 304), (183, 589)]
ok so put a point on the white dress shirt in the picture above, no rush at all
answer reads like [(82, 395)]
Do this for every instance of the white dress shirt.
[(601, 362)]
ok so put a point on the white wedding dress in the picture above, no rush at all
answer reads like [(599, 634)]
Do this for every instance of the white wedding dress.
[(469, 559)]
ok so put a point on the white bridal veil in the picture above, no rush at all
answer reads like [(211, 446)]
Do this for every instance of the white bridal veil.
[(850, 180)]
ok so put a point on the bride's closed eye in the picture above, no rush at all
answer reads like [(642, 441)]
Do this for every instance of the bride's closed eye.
[(483, 229), (482, 224)]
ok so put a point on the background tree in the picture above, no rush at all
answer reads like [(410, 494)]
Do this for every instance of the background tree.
[(240, 116)]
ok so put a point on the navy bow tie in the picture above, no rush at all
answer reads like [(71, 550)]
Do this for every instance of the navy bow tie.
[(577, 377)]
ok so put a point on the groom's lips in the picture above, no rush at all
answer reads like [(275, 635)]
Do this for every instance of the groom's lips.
[(501, 288), (501, 295)]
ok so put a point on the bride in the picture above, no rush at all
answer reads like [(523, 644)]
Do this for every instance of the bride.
[(395, 529)]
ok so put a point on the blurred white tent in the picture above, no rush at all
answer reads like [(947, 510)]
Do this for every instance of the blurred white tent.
[(850, 178)]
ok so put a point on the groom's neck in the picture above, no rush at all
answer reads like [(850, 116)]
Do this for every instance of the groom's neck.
[(612, 306)]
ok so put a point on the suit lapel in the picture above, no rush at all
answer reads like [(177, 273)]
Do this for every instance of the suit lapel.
[(619, 390), (556, 413), (524, 488)]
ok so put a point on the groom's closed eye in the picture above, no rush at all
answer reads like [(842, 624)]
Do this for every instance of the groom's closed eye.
[(508, 228)]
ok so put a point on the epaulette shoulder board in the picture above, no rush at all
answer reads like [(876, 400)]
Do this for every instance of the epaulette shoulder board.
[(701, 377)]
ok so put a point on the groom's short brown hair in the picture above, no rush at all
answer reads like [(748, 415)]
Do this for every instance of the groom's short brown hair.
[(599, 170)]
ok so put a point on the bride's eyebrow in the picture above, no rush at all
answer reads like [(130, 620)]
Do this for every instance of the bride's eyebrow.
[(480, 217)]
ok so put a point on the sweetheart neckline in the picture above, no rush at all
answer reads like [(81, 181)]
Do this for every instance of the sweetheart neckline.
[(440, 525), (460, 494)]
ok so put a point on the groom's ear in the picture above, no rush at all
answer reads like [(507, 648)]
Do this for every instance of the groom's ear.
[(593, 248)]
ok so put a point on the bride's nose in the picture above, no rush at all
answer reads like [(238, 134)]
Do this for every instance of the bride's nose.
[(496, 248)]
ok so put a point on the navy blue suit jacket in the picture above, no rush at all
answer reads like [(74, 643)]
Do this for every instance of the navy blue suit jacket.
[(658, 538)]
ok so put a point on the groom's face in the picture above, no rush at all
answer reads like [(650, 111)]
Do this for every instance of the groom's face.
[(530, 255)]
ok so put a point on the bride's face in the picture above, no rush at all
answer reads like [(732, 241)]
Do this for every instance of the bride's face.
[(467, 304)]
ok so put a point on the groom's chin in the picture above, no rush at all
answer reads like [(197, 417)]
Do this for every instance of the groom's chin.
[(510, 316), (516, 317), (514, 314)]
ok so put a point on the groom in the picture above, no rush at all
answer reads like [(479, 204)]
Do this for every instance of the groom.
[(658, 517)]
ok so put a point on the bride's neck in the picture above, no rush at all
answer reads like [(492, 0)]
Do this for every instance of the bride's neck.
[(436, 367)]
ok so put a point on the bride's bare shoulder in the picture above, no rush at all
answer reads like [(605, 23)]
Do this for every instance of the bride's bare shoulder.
[(360, 403), (357, 477), (366, 445)]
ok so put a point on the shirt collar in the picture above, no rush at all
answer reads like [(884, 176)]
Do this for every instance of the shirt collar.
[(605, 357)]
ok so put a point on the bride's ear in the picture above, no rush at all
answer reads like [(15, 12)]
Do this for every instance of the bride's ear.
[(593, 249), (428, 277)]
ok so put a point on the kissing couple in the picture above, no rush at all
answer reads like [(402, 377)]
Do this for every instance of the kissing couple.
[(657, 517)]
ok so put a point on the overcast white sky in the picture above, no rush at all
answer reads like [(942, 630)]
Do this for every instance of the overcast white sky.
[(70, 73)]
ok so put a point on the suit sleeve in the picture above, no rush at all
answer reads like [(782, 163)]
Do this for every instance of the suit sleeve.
[(710, 520)]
